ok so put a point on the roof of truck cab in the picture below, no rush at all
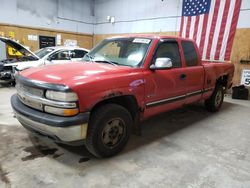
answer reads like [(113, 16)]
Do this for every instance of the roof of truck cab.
[(149, 36)]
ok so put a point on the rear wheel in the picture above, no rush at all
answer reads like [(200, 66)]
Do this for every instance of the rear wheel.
[(109, 130), (214, 103)]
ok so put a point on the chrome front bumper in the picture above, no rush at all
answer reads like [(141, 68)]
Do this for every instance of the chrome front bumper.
[(62, 134), (61, 129)]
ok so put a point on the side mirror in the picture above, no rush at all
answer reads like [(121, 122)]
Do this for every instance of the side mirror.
[(162, 63)]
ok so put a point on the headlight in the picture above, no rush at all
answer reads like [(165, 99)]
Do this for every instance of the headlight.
[(61, 103), (60, 111), (61, 96)]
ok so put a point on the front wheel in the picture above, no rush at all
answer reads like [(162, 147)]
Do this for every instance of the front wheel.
[(214, 103), (109, 130)]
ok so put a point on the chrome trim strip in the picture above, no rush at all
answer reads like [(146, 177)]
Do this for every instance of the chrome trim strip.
[(208, 89), (181, 97), (165, 100), (44, 101), (194, 93)]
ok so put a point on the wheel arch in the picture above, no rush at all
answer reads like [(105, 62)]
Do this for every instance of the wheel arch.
[(223, 80), (129, 102)]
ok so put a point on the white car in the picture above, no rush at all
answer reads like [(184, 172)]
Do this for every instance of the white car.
[(44, 56)]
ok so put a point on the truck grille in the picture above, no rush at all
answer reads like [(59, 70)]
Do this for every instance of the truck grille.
[(34, 97), (28, 95)]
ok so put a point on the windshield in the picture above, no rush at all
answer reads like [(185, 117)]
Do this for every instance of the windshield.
[(43, 52), (123, 51)]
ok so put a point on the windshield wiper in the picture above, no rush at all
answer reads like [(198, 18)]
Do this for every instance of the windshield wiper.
[(106, 61), (92, 59), (89, 57)]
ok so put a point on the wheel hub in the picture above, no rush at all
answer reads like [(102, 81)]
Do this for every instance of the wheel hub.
[(218, 98), (113, 132)]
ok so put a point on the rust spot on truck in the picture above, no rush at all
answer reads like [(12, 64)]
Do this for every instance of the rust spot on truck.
[(113, 94)]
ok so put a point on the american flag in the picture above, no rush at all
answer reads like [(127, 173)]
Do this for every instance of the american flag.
[(212, 24)]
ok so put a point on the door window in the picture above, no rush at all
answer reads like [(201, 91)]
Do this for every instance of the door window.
[(78, 53), (170, 50), (61, 55)]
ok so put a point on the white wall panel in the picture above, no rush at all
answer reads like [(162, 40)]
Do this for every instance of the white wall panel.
[(244, 15), (137, 16), (53, 14), (89, 16), (147, 16)]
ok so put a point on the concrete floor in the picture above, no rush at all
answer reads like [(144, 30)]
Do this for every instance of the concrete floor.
[(188, 148)]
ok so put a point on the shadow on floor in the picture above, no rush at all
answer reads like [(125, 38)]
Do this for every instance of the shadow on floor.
[(9, 85), (152, 129)]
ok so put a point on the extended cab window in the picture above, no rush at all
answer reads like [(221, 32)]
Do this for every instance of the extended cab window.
[(190, 54), (170, 50)]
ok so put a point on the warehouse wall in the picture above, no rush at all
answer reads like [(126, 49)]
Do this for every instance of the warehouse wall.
[(71, 19), (147, 16), (21, 34), (241, 46), (137, 16), (163, 17), (75, 16)]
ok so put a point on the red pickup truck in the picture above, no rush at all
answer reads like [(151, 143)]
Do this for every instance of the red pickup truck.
[(120, 82)]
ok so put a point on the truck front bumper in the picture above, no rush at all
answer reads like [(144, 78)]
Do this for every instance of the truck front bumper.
[(68, 130)]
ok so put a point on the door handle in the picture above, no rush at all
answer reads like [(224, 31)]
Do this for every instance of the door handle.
[(183, 76)]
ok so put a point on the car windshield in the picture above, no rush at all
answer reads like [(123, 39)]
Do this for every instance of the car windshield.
[(43, 52), (123, 51)]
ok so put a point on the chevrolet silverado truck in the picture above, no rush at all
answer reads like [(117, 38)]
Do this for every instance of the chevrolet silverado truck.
[(121, 82)]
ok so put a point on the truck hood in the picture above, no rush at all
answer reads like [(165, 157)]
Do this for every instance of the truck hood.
[(74, 73), (19, 47)]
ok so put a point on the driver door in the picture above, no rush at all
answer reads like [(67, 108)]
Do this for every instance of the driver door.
[(165, 88)]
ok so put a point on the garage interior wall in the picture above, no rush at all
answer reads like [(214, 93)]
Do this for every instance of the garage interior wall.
[(86, 21), (163, 17), (72, 19)]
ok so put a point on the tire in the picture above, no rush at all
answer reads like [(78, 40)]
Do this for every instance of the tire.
[(13, 83), (109, 130), (214, 103)]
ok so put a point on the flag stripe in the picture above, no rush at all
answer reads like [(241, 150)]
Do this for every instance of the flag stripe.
[(197, 21), (232, 30), (184, 27), (192, 25), (188, 26), (217, 29), (208, 27), (203, 34), (182, 20), (227, 30), (198, 37), (212, 30), (222, 29)]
